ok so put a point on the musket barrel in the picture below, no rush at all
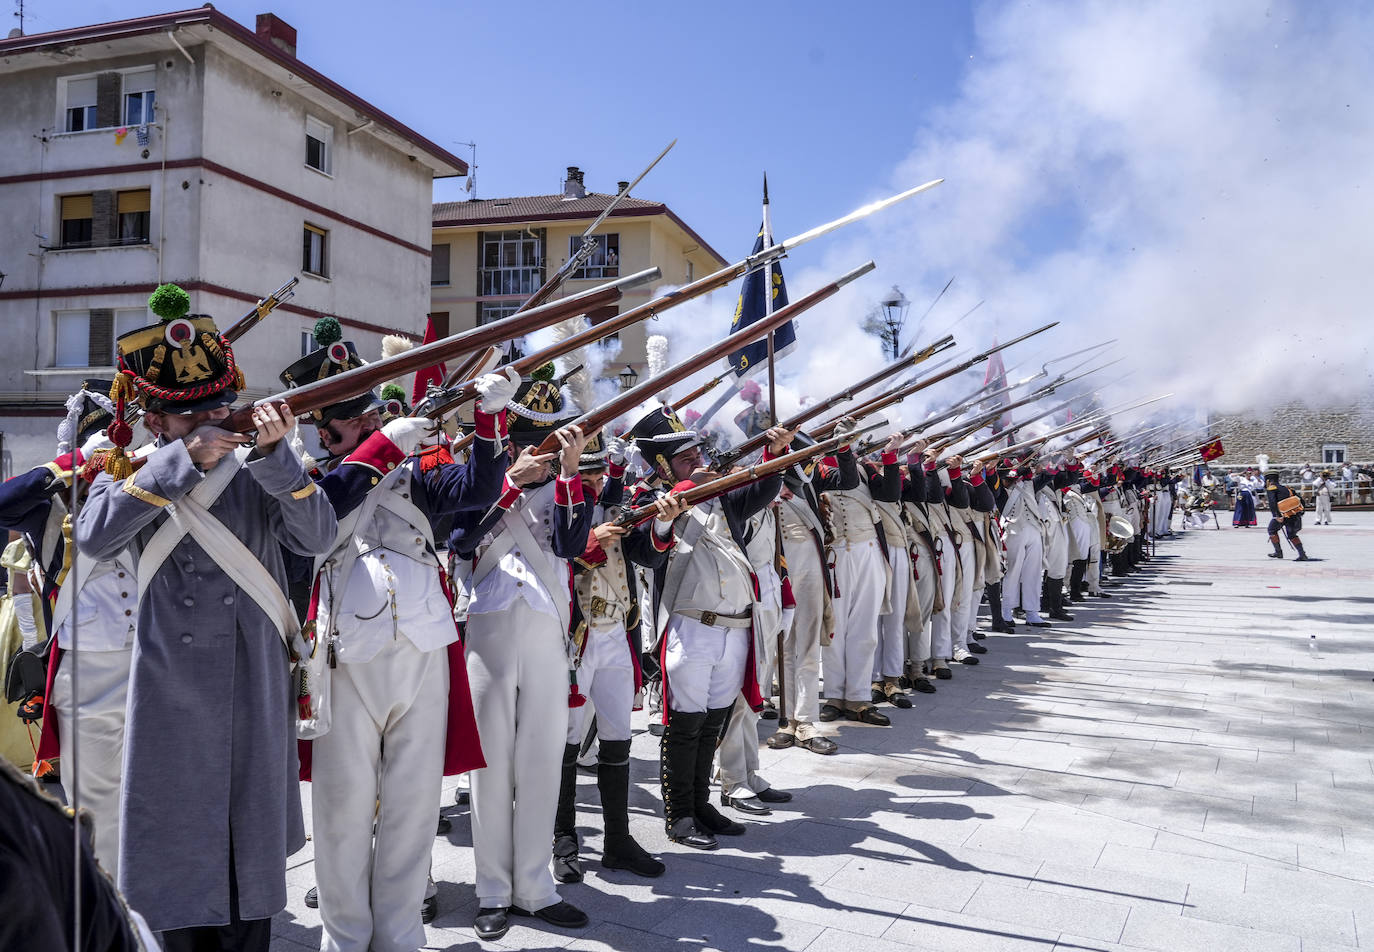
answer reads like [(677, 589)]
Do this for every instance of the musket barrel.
[(607, 412), (260, 310)]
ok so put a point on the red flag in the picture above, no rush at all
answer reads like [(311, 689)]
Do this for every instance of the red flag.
[(995, 378), (1213, 451), (429, 375)]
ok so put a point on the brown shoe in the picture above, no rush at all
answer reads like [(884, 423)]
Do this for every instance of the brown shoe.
[(781, 740)]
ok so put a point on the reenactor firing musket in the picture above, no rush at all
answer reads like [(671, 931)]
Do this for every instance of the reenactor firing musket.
[(1098, 417), (450, 398), (318, 394), (952, 435), (593, 420), (260, 310), (703, 492)]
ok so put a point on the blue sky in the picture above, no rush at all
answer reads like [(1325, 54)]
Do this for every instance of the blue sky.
[(822, 99)]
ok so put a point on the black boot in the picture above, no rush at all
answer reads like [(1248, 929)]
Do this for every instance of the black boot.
[(613, 782), (1302, 553), (1056, 592), (707, 816), (994, 590), (567, 867), (678, 758), (1076, 576), (1278, 549)]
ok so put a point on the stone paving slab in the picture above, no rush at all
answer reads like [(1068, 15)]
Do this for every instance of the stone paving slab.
[(1171, 771)]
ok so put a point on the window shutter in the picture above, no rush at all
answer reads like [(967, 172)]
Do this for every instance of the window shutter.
[(139, 200), (76, 207), (100, 345), (81, 92), (439, 264), (109, 87)]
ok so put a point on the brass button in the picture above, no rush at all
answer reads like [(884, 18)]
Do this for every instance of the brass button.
[(186, 639)]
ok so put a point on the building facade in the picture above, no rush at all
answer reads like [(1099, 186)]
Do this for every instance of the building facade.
[(187, 148), (488, 256), (1293, 434)]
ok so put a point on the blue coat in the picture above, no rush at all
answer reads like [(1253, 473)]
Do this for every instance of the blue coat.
[(210, 748)]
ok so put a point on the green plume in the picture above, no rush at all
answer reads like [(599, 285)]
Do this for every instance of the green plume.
[(546, 372), (393, 391), (327, 331), (169, 302)]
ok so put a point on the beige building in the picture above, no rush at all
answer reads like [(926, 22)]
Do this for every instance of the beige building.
[(187, 147), (488, 256)]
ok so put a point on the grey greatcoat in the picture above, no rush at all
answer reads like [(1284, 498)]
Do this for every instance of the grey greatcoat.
[(210, 755)]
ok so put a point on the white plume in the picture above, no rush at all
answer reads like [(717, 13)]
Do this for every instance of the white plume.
[(1263, 460), (656, 347), (580, 383), (393, 344)]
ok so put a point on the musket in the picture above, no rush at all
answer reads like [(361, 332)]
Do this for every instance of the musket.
[(446, 402), (600, 416), (973, 399), (710, 489), (261, 310), (1092, 418), (701, 391), (322, 393), (588, 246), (878, 403), (965, 431)]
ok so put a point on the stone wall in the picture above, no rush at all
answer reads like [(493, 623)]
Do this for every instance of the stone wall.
[(1292, 434)]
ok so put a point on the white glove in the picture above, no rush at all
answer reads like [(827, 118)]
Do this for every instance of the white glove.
[(846, 426), (408, 432), (497, 388), (616, 452), (96, 442)]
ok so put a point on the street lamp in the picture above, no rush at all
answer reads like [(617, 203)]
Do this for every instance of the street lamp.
[(628, 378), (894, 306)]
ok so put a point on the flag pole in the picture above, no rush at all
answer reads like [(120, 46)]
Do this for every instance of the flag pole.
[(779, 560)]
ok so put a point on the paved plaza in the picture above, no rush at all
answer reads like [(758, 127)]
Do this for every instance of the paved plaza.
[(1175, 770)]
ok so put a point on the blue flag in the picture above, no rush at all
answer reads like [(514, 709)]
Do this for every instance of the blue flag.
[(755, 304)]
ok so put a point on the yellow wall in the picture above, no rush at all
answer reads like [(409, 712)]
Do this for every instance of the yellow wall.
[(645, 242)]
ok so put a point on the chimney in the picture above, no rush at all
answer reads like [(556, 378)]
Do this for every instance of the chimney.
[(272, 29), (621, 186), (573, 188)]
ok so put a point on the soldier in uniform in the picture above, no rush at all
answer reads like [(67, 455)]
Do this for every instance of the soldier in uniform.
[(863, 578), (924, 587), (889, 658), (1021, 523), (1290, 522), (1082, 529), (211, 804), (606, 639), (804, 531), (400, 709), (1049, 486), (34, 504), (968, 587), (947, 566), (704, 598), (519, 624)]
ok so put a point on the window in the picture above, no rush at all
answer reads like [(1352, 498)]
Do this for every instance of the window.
[(87, 338), (439, 264), (1333, 453), (138, 97), (81, 100), (132, 210), (319, 142), (512, 262), (486, 313), (307, 342), (77, 219), (314, 255), (605, 259), (691, 272)]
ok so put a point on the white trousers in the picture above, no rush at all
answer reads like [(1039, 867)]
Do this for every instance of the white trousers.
[(848, 659), (802, 639), (738, 753), (518, 669), (964, 615), (1159, 516), (607, 677), (103, 680), (1025, 568), (891, 649), (1094, 577), (383, 756), (1324, 509), (705, 665), (941, 636), (920, 603)]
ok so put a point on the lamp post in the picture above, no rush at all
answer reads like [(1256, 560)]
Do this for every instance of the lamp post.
[(895, 306), (628, 378)]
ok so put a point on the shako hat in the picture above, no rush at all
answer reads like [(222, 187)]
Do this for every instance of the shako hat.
[(180, 364), (89, 410), (333, 356), (660, 436), (594, 455), (537, 408)]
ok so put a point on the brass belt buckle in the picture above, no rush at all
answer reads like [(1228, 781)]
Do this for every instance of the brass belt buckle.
[(598, 605), (708, 619)]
